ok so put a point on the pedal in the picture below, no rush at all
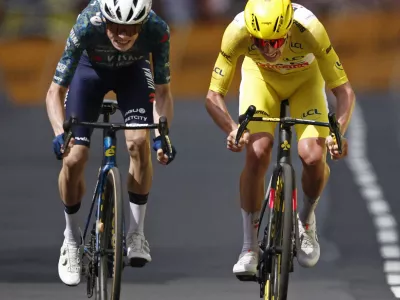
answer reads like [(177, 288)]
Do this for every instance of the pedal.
[(246, 277)]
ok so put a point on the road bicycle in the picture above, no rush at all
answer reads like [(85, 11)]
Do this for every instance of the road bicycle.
[(280, 238), (105, 254)]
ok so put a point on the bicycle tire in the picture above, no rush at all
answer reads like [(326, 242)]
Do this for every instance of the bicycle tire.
[(112, 211), (278, 281)]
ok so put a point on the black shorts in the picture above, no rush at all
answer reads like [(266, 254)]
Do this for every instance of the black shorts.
[(133, 86)]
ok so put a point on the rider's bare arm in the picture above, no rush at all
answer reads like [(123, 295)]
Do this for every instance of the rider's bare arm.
[(233, 45), (215, 105), (163, 105), (345, 103), (334, 74), (54, 105)]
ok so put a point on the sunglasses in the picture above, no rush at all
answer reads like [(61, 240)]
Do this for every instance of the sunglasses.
[(261, 44), (130, 30)]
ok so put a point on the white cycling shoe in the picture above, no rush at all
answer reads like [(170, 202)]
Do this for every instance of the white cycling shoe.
[(246, 264), (69, 264), (309, 252), (138, 249)]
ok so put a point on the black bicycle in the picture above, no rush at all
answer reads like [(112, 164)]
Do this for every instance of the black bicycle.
[(280, 239), (105, 247)]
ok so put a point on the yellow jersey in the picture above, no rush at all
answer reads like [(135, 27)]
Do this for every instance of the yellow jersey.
[(307, 44)]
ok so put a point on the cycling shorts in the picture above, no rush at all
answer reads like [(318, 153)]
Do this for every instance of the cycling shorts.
[(133, 86), (265, 89)]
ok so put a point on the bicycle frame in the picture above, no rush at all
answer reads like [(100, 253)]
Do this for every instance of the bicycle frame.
[(284, 160), (109, 161)]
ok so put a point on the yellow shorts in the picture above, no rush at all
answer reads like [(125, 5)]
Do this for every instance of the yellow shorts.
[(265, 90)]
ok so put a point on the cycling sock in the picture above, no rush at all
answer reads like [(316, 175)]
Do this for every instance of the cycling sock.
[(71, 232), (138, 205), (307, 214), (250, 227)]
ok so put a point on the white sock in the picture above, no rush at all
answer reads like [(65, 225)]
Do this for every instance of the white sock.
[(307, 215), (250, 227), (71, 232), (137, 215)]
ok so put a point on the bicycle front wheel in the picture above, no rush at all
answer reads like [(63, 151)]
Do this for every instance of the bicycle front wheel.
[(111, 238), (281, 235)]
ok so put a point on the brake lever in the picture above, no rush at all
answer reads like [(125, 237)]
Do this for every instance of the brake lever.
[(251, 110), (165, 140), (68, 131), (335, 129)]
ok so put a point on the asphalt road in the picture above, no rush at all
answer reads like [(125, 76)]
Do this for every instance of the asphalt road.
[(193, 223)]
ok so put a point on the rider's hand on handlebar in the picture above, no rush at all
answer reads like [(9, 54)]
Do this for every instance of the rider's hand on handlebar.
[(162, 157), (58, 146), (333, 147), (243, 140)]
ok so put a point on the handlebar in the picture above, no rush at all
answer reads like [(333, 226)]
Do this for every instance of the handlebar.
[(162, 127), (248, 116)]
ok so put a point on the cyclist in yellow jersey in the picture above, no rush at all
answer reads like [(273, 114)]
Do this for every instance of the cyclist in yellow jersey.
[(288, 55)]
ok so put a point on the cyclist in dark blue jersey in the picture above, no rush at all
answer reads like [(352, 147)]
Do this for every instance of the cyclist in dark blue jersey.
[(108, 49)]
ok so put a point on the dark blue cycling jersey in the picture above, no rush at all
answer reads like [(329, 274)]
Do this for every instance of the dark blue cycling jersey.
[(88, 37)]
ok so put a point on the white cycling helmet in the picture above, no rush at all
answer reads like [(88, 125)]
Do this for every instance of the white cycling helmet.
[(125, 12)]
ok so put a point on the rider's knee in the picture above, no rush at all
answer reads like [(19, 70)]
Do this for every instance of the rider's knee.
[(312, 151), (137, 144), (77, 158), (259, 152)]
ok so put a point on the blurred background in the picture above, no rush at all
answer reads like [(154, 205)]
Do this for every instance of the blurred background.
[(365, 33), (194, 222)]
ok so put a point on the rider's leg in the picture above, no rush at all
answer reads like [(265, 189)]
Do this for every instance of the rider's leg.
[(140, 175), (83, 100), (312, 152), (139, 183), (309, 102), (254, 90)]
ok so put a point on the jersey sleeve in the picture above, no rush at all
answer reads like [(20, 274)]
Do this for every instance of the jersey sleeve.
[(161, 55), (328, 61), (233, 45), (76, 43)]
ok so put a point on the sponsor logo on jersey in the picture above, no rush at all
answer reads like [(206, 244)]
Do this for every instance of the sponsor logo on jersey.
[(219, 71), (314, 113), (282, 66), (135, 117), (61, 67), (261, 112), (338, 65), (291, 59), (83, 139), (149, 78), (228, 57), (301, 27), (74, 38), (136, 110)]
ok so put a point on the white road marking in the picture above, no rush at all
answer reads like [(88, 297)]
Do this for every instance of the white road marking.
[(378, 207)]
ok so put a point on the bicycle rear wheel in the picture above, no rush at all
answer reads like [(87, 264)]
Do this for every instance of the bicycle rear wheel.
[(111, 238), (280, 235)]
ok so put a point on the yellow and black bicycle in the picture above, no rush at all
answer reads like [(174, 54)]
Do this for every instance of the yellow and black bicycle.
[(279, 240)]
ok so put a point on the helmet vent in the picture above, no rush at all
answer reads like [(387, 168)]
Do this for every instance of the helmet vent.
[(288, 12), (130, 14), (119, 13), (254, 22), (141, 14), (276, 25), (108, 11), (135, 2)]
